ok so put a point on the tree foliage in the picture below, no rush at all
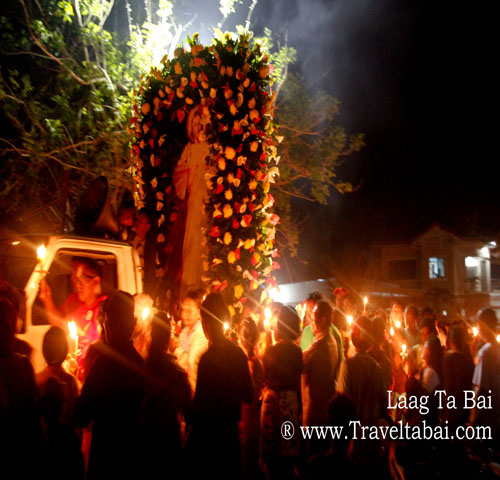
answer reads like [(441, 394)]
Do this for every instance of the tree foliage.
[(64, 96)]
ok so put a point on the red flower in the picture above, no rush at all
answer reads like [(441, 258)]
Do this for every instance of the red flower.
[(274, 219), (181, 114), (214, 231), (236, 224), (247, 219)]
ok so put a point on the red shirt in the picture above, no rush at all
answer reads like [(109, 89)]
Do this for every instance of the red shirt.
[(85, 318)]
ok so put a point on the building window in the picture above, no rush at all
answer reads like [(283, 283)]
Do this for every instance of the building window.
[(436, 267)]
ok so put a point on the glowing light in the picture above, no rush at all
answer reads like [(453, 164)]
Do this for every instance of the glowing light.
[(493, 244), (145, 313), (349, 319), (397, 323), (498, 338), (391, 331), (471, 262), (403, 348), (365, 301), (301, 310), (73, 333), (267, 318), (475, 331), (15, 242), (226, 327), (41, 252), (277, 295)]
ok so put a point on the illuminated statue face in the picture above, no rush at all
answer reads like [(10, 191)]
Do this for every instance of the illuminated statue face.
[(196, 129)]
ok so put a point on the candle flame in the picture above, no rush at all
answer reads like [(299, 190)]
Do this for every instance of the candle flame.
[(365, 301), (40, 252), (391, 331), (15, 243), (397, 323), (403, 348), (72, 330), (145, 313), (475, 331), (349, 319), (226, 326), (498, 338), (267, 318)]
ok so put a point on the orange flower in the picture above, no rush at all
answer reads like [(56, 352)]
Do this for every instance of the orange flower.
[(230, 153), (227, 211)]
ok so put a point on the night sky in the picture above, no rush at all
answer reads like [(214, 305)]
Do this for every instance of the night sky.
[(410, 75)]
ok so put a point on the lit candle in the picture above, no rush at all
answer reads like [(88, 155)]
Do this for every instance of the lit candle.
[(392, 331), (267, 318), (365, 301), (145, 313), (73, 333), (40, 252), (475, 331), (397, 323), (349, 319), (403, 350), (226, 326)]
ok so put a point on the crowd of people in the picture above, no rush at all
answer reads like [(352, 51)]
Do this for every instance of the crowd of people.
[(214, 397)]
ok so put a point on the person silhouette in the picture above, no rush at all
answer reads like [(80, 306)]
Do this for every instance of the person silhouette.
[(112, 396)]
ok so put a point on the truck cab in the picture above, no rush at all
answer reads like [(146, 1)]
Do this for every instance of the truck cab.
[(27, 260)]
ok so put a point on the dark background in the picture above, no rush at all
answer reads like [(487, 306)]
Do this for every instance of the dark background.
[(414, 77)]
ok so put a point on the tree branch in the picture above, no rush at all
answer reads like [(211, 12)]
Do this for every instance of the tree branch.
[(52, 57), (250, 13)]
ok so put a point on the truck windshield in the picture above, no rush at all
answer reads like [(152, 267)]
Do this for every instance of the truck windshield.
[(18, 259)]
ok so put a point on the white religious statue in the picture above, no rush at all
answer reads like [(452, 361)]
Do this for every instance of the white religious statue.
[(190, 179)]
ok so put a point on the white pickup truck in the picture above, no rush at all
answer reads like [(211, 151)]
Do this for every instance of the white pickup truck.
[(24, 264)]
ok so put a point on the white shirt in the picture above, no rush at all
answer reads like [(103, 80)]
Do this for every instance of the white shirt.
[(192, 345)]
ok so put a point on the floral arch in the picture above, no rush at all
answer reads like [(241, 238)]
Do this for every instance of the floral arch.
[(227, 83)]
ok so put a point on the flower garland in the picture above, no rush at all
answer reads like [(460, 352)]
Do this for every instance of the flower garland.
[(227, 82)]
